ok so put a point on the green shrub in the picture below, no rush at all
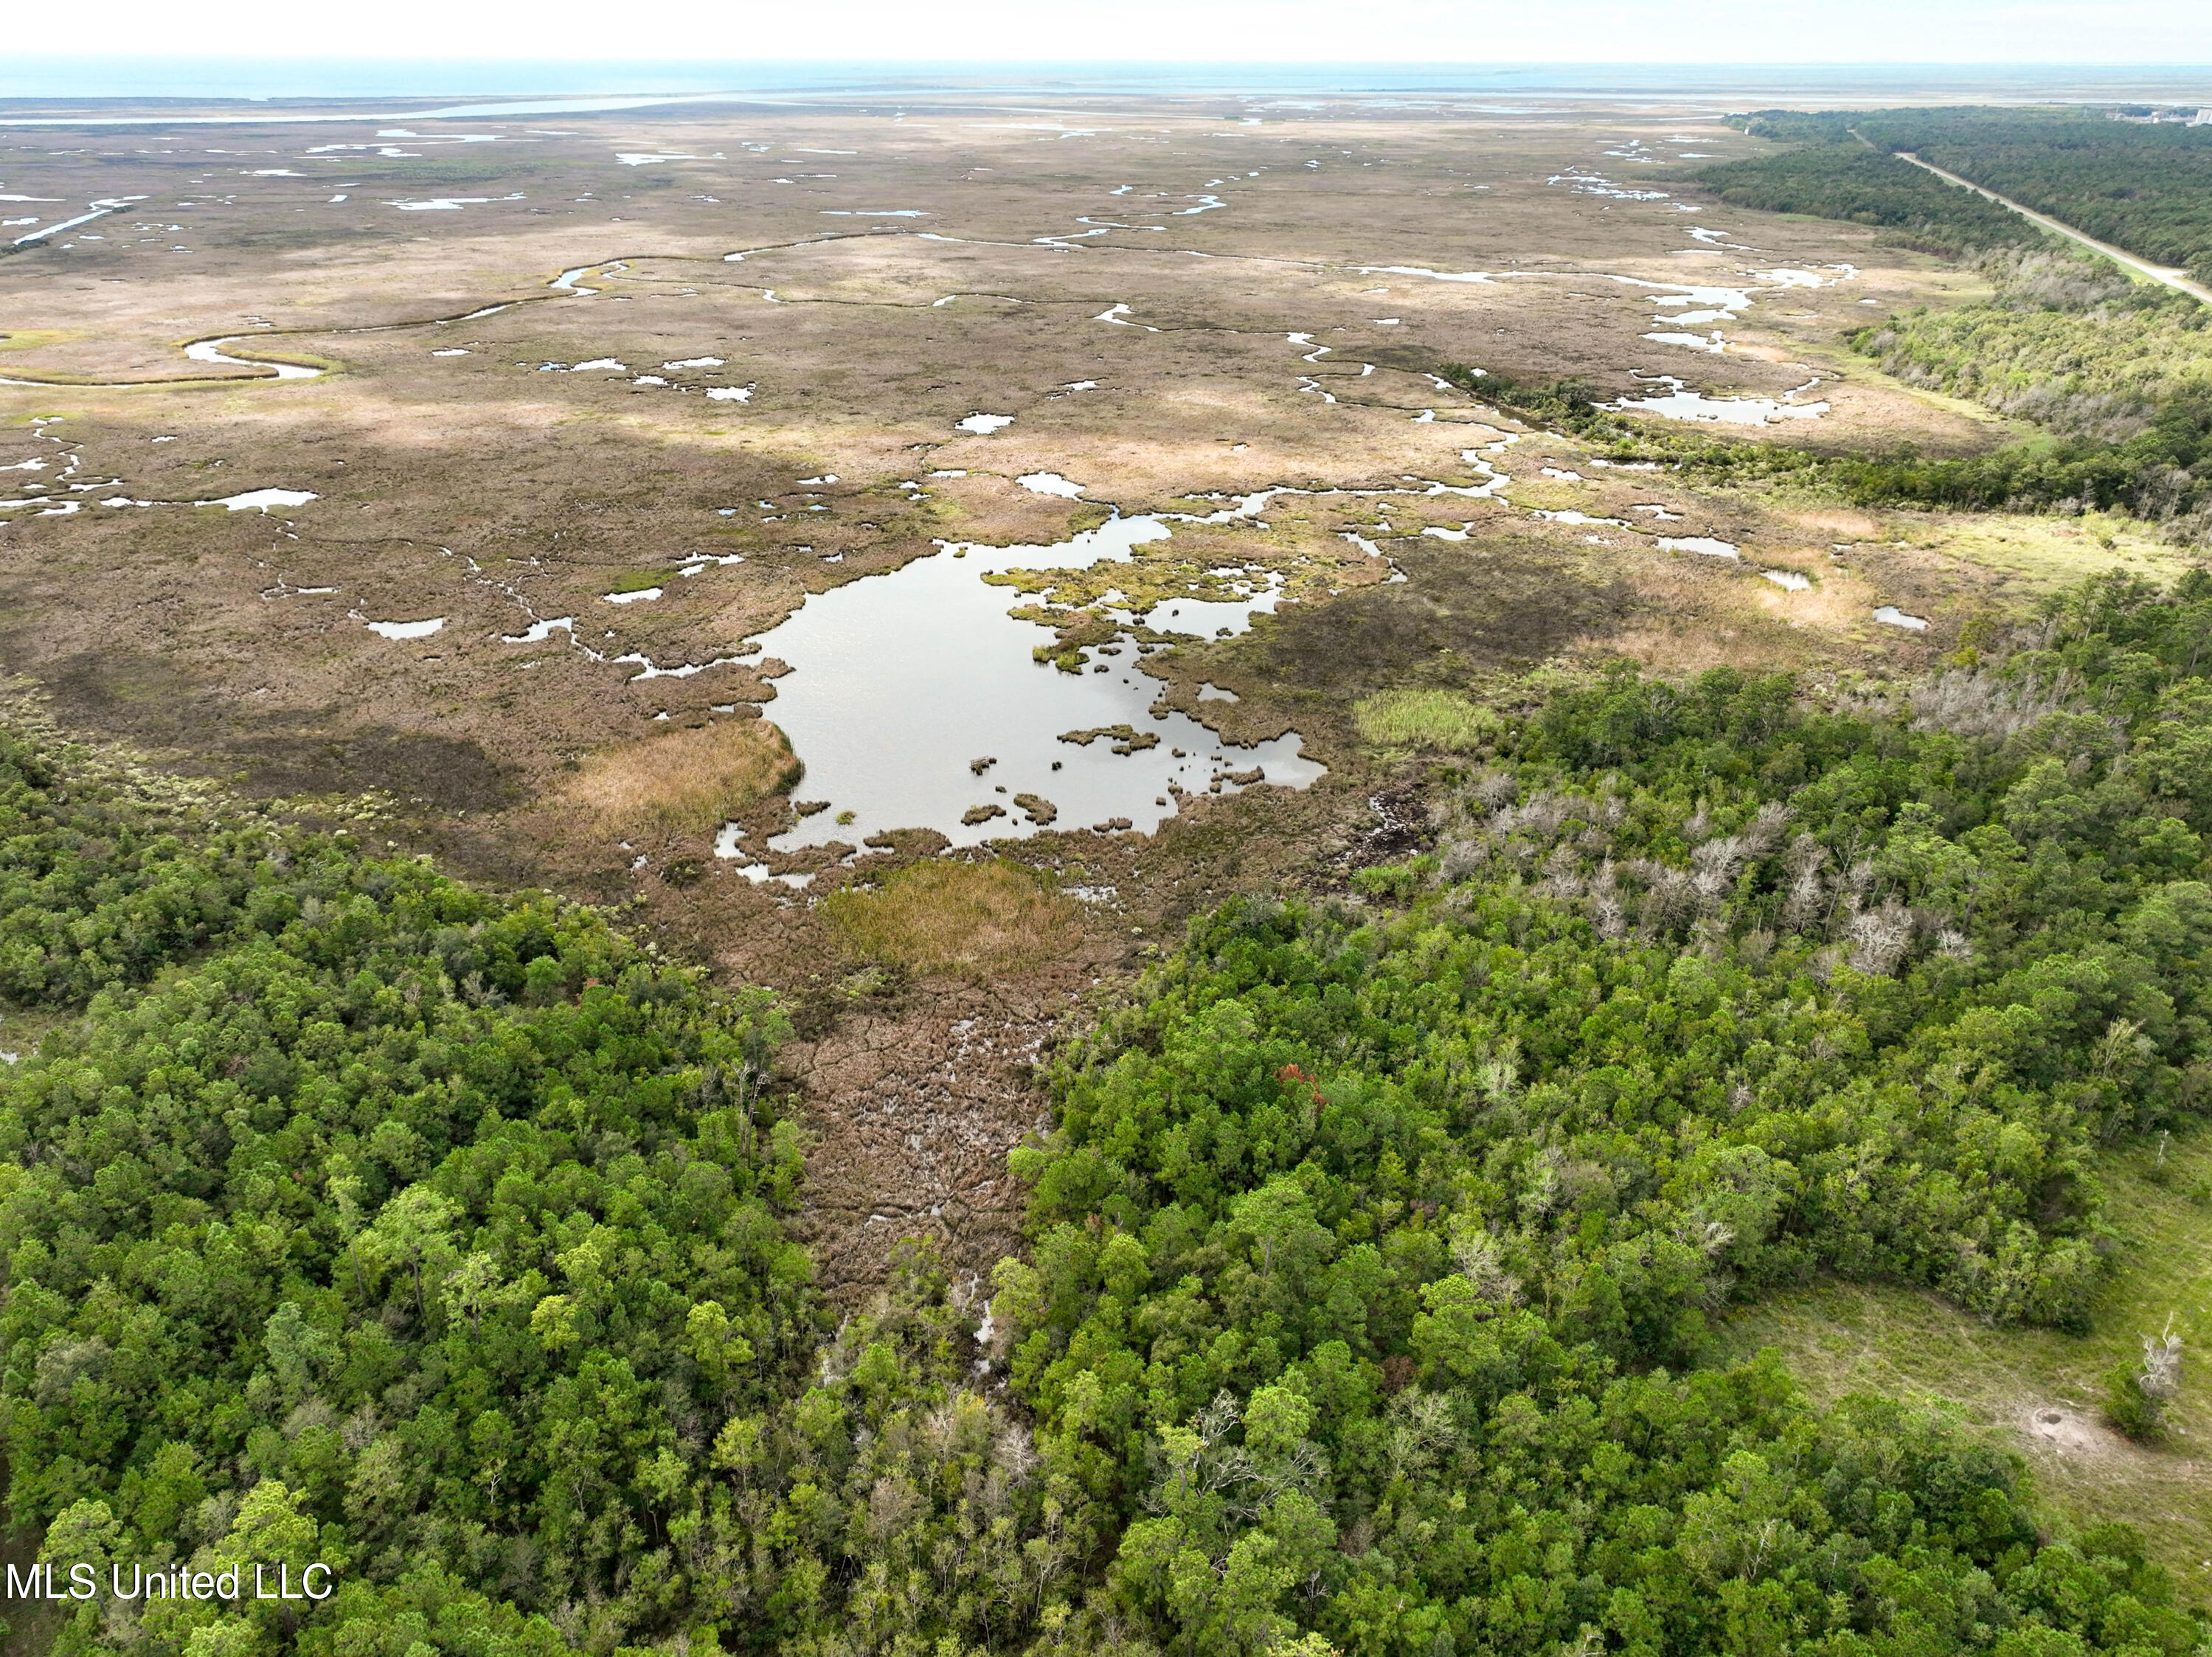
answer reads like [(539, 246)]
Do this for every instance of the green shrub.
[(2129, 1407)]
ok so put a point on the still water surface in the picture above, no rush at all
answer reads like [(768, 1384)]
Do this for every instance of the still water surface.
[(899, 683)]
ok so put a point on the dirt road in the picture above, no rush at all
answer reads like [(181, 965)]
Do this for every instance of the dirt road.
[(2155, 272)]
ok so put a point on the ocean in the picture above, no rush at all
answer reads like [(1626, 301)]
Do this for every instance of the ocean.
[(527, 87)]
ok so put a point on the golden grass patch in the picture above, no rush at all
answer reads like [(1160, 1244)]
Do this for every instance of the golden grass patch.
[(1441, 720), (1837, 602), (936, 917), (688, 780)]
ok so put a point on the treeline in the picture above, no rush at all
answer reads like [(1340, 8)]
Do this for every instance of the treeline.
[(2118, 372), (1851, 182), (2157, 473), (363, 1218), (2147, 188)]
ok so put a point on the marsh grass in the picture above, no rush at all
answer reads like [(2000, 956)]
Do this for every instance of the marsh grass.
[(1902, 1343), (1440, 721), (688, 780), (2052, 551), (940, 917)]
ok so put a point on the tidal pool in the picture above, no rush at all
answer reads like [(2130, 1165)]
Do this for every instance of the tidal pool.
[(260, 500), (1679, 403), (901, 683), (405, 630), (211, 350), (1050, 483)]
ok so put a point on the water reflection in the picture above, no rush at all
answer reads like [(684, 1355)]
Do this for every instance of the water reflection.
[(900, 682)]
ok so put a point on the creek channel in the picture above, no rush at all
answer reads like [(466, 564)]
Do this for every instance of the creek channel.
[(901, 682)]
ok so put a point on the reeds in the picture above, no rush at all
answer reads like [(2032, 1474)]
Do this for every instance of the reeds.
[(690, 780)]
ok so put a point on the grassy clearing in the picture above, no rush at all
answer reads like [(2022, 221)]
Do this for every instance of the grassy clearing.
[(1440, 721), (1900, 1342), (690, 780), (31, 339), (21, 1029), (956, 917), (2051, 551)]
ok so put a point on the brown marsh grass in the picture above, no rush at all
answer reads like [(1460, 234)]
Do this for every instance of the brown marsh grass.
[(690, 780)]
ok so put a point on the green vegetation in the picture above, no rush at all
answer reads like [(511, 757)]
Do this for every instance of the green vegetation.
[(1440, 721), (940, 916), (434, 1236), (1363, 1226), (1837, 1337), (2147, 188), (2065, 341), (2119, 373), (1847, 180), (362, 1217), (1571, 401)]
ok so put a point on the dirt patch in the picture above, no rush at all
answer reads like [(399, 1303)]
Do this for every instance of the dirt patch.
[(163, 703), (913, 1111), (444, 773), (2070, 1432), (128, 692)]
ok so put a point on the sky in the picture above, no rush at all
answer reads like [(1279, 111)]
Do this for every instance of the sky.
[(68, 45)]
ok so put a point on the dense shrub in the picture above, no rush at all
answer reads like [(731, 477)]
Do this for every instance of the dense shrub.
[(1364, 1225)]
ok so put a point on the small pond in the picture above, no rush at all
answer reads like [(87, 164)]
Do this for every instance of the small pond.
[(900, 683)]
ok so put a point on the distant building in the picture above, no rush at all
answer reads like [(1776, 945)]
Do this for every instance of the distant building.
[(2203, 117)]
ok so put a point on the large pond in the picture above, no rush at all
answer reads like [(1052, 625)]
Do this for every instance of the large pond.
[(901, 684)]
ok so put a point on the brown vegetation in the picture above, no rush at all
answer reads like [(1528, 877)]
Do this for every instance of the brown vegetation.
[(691, 781)]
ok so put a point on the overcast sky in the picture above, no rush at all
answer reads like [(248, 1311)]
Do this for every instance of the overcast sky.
[(2057, 31)]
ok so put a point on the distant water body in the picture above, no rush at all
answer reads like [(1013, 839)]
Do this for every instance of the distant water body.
[(33, 86)]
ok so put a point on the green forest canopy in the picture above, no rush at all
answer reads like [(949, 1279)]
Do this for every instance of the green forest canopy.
[(2143, 186), (1849, 181), (366, 1217)]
